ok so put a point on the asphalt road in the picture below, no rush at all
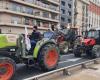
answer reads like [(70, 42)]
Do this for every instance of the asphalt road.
[(65, 60)]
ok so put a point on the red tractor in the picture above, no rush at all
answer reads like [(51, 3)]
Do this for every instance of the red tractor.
[(90, 45)]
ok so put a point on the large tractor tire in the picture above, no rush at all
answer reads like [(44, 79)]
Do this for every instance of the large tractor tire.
[(7, 68), (96, 51), (49, 57)]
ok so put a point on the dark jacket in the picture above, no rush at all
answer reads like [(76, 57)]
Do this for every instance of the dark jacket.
[(35, 36)]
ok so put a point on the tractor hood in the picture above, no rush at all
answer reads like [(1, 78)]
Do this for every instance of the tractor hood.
[(90, 42), (7, 40)]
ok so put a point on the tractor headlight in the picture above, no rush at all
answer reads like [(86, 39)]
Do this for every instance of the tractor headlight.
[(12, 50)]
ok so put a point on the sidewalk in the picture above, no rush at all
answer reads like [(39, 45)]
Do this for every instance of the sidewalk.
[(88, 74)]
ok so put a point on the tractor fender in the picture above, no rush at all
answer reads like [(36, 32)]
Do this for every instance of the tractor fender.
[(39, 45)]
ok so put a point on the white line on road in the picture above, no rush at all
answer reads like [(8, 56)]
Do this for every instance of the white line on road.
[(66, 55), (74, 60), (70, 60), (63, 62)]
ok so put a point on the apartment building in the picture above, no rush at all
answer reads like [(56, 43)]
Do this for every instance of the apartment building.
[(16, 14), (66, 12), (80, 14), (94, 15)]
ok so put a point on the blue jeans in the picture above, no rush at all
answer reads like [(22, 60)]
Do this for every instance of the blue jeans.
[(33, 44)]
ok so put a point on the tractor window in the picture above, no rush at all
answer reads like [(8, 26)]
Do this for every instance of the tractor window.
[(64, 31), (48, 35), (93, 34)]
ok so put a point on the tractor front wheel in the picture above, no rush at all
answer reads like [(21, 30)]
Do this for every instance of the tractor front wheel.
[(96, 51), (7, 68), (77, 52), (49, 57)]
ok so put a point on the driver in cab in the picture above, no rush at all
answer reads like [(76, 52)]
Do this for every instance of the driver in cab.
[(34, 37)]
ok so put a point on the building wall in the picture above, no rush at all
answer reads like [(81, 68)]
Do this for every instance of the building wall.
[(66, 12), (81, 14), (94, 14), (19, 13)]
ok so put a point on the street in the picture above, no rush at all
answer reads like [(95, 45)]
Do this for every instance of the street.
[(34, 33), (65, 60)]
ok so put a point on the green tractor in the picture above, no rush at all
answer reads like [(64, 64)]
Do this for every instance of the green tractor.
[(13, 50)]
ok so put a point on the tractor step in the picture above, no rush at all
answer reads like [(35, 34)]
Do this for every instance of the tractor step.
[(29, 60), (28, 57)]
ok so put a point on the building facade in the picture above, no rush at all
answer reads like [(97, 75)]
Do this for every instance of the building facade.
[(80, 14), (94, 15), (66, 12), (16, 14)]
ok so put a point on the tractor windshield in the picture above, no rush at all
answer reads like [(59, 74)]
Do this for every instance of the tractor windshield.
[(93, 34), (48, 34), (64, 31)]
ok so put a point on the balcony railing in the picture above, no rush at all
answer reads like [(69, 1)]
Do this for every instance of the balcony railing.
[(44, 5), (28, 10)]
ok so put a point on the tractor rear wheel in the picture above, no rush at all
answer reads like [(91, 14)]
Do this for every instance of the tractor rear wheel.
[(49, 57), (7, 68), (96, 51)]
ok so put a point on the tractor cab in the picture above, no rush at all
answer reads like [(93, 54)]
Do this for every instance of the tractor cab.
[(94, 34), (90, 45), (48, 35)]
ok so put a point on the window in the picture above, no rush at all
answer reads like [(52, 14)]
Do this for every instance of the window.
[(69, 12), (53, 16), (62, 11), (29, 10), (16, 20), (46, 14), (16, 7), (63, 3), (69, 20), (69, 5), (62, 19), (45, 24), (29, 21), (36, 12), (53, 7), (38, 22)]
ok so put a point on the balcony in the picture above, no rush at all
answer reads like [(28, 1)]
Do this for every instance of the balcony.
[(57, 2), (86, 1), (29, 15), (21, 10), (39, 5)]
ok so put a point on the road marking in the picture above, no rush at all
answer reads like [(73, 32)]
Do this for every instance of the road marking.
[(74, 60), (70, 60), (66, 55), (63, 62)]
